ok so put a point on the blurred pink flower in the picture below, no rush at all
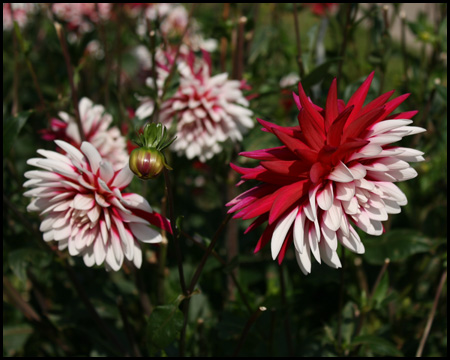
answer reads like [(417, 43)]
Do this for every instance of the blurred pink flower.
[(18, 12), (95, 121), (81, 16), (335, 169), (321, 9), (207, 109), (80, 198)]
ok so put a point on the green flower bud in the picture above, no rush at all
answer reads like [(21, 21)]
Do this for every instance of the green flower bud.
[(148, 161)]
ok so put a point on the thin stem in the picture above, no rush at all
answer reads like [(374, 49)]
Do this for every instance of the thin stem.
[(224, 263), (72, 276), (403, 47), (73, 90), (238, 67), (223, 40), (30, 67), (128, 329), (379, 277), (175, 234), (423, 120), (369, 299), (341, 301), (426, 332), (301, 69), (122, 115), (105, 49), (15, 89), (345, 40), (144, 299), (162, 257), (185, 305), (246, 329), (154, 73), (16, 299), (287, 326), (91, 309), (177, 54), (208, 252)]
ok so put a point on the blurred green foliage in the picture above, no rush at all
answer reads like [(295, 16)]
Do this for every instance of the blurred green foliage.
[(328, 313)]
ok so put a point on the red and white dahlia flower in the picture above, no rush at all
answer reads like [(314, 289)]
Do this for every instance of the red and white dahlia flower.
[(95, 121), (80, 198), (208, 110), (334, 170)]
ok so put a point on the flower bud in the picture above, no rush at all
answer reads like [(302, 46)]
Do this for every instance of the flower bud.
[(147, 163)]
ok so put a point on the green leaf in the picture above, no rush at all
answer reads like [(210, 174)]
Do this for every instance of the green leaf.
[(442, 91), (378, 345), (179, 221), (164, 326), (14, 338), (381, 290), (318, 73), (11, 128), (397, 245), (20, 259)]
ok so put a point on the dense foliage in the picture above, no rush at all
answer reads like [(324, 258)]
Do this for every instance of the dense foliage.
[(234, 302)]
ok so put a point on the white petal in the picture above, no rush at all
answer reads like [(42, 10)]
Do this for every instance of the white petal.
[(137, 255), (89, 257), (111, 259), (117, 249), (123, 178), (106, 171), (325, 197), (341, 173), (358, 171), (92, 155), (391, 206), (345, 191), (304, 259), (385, 126), (368, 151), (145, 233), (83, 202), (280, 232), (332, 217), (313, 239), (403, 174), (70, 150), (330, 237), (99, 250), (384, 139), (329, 256), (299, 231), (136, 201)]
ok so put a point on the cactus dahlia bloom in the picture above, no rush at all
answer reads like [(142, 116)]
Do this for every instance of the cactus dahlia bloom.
[(95, 121), (333, 171), (80, 197), (208, 110)]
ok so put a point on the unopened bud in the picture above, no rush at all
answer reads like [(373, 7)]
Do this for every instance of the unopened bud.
[(147, 163)]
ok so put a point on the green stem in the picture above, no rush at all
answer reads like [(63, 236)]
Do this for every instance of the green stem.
[(247, 327), (62, 39), (301, 68), (431, 315)]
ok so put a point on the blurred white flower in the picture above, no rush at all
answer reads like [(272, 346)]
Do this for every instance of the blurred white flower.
[(95, 121)]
